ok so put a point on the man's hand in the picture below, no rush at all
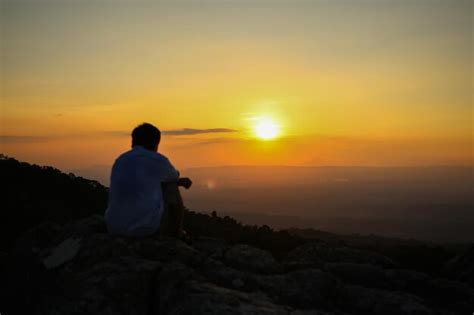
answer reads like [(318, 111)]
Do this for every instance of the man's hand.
[(185, 182)]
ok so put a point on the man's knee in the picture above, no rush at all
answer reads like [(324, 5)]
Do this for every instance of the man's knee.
[(171, 194)]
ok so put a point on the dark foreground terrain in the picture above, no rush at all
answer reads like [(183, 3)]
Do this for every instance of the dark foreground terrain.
[(64, 262), (80, 269)]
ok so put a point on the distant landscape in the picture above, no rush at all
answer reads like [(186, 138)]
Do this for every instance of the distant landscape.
[(428, 203)]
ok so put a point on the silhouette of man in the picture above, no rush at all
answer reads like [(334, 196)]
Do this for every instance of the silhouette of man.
[(144, 198)]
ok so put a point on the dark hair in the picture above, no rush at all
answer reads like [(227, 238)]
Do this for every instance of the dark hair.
[(147, 136)]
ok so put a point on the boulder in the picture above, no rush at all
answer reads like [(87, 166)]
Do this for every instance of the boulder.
[(62, 253), (318, 254), (407, 280), (451, 294), (461, 267), (361, 274), (166, 249), (183, 291), (360, 300), (120, 286), (305, 289), (97, 248), (211, 246), (36, 239), (197, 297), (221, 274), (252, 259)]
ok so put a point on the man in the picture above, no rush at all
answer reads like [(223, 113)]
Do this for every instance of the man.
[(144, 198)]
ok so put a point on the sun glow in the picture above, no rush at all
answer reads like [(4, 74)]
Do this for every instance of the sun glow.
[(266, 129)]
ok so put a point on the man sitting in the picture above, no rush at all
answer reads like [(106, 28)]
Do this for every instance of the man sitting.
[(144, 198)]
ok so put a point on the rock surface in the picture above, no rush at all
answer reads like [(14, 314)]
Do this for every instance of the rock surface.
[(80, 269)]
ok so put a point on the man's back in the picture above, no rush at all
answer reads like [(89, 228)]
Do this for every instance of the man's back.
[(135, 197)]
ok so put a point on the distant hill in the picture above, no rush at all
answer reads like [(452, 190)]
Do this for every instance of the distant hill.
[(428, 203), (432, 203)]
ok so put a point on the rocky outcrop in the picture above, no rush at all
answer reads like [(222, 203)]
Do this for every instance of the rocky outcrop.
[(318, 254), (252, 259), (462, 267), (80, 269)]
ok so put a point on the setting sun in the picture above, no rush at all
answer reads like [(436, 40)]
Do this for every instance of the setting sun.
[(266, 129)]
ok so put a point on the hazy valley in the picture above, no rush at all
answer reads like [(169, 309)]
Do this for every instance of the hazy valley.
[(430, 203)]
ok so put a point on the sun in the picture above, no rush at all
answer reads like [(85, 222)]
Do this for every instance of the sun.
[(266, 129)]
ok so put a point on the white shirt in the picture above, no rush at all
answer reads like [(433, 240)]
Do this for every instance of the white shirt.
[(135, 204)]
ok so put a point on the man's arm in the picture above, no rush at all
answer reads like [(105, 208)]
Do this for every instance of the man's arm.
[(173, 176), (185, 182)]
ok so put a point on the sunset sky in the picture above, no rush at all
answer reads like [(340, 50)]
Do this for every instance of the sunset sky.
[(334, 82)]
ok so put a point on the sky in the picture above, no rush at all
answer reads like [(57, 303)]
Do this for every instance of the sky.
[(373, 83)]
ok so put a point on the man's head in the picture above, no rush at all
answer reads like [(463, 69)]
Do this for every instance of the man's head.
[(147, 136)]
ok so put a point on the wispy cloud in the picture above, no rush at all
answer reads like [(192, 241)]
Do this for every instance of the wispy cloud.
[(172, 132), (17, 138), (191, 131), (177, 132)]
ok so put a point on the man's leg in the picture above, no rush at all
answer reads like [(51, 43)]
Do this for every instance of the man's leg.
[(172, 221)]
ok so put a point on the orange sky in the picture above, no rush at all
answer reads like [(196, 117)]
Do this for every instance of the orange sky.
[(347, 83)]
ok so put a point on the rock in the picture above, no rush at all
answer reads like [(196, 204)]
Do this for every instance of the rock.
[(238, 283), (97, 248), (217, 272), (36, 239), (93, 224), (252, 259), (312, 312), (23, 282), (169, 282), (361, 274), (211, 246), (298, 265), (407, 280), (206, 298), (451, 294), (183, 291), (319, 254), (360, 300), (462, 267), (120, 286), (168, 249), (62, 253), (304, 289)]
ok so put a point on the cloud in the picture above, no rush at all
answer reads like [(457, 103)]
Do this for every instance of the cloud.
[(15, 138), (172, 132), (115, 133), (190, 131), (176, 132)]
